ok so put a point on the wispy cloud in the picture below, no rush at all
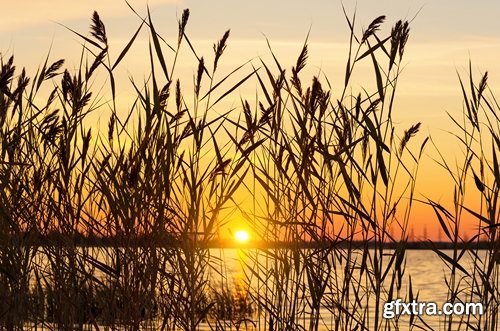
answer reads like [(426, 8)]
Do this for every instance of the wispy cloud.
[(28, 13)]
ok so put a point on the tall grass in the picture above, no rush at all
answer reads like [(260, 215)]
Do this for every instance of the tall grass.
[(331, 172), (112, 229), (146, 192), (478, 133)]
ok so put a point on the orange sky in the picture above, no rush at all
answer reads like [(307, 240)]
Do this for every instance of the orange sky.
[(444, 35)]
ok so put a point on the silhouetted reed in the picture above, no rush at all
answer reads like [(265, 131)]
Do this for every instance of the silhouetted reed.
[(112, 228)]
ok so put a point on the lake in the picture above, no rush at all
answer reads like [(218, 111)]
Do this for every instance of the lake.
[(239, 278), (427, 272)]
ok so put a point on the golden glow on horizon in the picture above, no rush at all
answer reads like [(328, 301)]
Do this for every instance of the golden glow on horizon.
[(241, 236)]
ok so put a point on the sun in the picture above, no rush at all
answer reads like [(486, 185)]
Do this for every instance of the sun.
[(241, 236)]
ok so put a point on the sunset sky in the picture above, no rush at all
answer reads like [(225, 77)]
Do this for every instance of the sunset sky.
[(445, 34)]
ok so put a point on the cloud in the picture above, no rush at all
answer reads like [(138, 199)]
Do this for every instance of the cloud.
[(29, 13)]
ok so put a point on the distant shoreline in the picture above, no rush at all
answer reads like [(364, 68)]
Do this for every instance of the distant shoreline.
[(416, 245), (82, 241)]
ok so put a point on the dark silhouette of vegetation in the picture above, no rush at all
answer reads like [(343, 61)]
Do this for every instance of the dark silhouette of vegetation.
[(113, 229)]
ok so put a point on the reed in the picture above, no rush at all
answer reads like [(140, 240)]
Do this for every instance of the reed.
[(331, 171), (112, 229), (477, 171)]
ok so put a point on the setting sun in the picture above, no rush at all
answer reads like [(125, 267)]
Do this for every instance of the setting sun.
[(241, 236)]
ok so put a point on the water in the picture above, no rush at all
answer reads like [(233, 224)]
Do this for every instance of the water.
[(248, 274), (427, 270)]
